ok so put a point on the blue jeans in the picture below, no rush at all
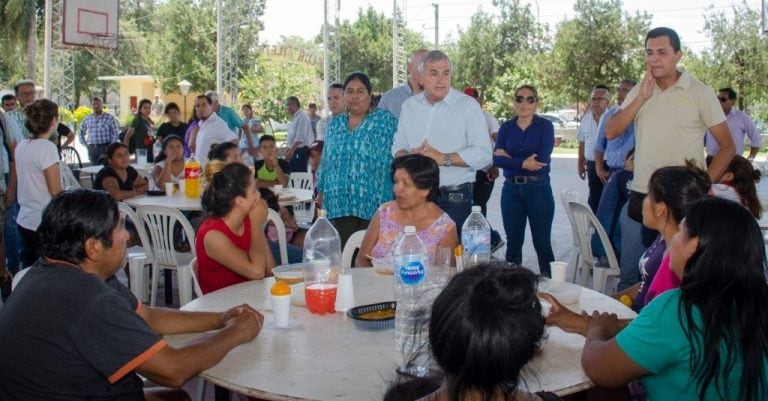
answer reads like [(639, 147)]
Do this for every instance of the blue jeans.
[(632, 249), (299, 160), (533, 202), (12, 239), (295, 254), (615, 195), (457, 204)]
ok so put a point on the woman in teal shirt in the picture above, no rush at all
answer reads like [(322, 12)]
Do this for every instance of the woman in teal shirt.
[(354, 169), (707, 340)]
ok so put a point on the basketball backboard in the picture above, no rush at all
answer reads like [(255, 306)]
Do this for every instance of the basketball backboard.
[(90, 23)]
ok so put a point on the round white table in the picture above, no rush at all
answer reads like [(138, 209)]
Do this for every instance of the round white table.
[(94, 169), (291, 196), (178, 201), (328, 358)]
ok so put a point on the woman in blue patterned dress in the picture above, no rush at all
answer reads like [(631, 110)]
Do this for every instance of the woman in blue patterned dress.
[(354, 170)]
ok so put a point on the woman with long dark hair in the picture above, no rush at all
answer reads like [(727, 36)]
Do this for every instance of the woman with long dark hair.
[(140, 133), (707, 340), (117, 177), (169, 164)]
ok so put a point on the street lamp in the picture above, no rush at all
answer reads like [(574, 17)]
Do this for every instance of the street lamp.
[(184, 87)]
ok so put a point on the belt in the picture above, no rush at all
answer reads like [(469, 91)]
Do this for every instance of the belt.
[(524, 179), (456, 188), (99, 144)]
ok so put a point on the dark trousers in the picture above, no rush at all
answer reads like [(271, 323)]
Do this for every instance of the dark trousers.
[(595, 186), (300, 160), (481, 193), (348, 225), (30, 252), (456, 203), (96, 152), (523, 203)]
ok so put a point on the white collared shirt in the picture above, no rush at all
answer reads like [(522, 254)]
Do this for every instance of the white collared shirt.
[(453, 125), (212, 130), (300, 130), (587, 133)]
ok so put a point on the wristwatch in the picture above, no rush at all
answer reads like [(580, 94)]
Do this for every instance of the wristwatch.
[(447, 161)]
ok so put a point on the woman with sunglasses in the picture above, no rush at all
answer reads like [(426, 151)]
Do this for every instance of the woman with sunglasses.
[(523, 149)]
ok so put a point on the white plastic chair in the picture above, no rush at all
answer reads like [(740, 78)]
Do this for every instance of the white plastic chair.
[(586, 224), (301, 181), (160, 221), (566, 197), (17, 278), (138, 256), (68, 179), (353, 243), (282, 241), (191, 270)]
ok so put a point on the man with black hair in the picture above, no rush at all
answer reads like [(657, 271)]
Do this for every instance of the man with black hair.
[(299, 135), (72, 331), (739, 123), (9, 102), (587, 135)]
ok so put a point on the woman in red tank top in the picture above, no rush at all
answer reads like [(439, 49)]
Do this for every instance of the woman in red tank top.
[(231, 244)]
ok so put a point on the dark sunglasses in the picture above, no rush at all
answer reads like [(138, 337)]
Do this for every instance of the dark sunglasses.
[(529, 99), (722, 99)]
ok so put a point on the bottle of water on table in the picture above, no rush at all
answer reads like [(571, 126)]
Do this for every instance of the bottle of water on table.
[(412, 314), (476, 239)]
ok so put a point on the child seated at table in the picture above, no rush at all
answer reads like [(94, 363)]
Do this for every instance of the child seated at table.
[(231, 245), (271, 170), (293, 233)]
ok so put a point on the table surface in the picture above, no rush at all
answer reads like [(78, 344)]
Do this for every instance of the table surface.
[(94, 169), (328, 358), (181, 202)]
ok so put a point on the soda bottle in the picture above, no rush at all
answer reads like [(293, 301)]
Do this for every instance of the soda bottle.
[(412, 313), (192, 172), (322, 259), (476, 239)]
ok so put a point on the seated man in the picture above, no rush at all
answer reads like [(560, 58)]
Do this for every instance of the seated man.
[(72, 331), (270, 170)]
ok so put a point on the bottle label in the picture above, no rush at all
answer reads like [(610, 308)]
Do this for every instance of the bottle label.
[(191, 172), (476, 242), (412, 272)]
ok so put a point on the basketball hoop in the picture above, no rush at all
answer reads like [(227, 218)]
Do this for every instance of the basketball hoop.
[(87, 23)]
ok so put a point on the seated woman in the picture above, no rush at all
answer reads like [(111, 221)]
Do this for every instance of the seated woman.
[(231, 245), (118, 177), (707, 339), (226, 152), (486, 325), (270, 170), (416, 183), (169, 164)]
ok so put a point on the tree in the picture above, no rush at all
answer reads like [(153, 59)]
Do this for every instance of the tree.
[(18, 23), (366, 46), (601, 45), (738, 57)]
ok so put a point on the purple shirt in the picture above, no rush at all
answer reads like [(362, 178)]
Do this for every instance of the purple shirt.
[(740, 125)]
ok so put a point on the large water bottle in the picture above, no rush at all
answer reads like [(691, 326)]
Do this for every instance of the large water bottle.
[(412, 313), (322, 242), (476, 239)]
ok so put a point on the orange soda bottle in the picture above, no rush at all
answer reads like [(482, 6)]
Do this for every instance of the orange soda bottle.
[(192, 172)]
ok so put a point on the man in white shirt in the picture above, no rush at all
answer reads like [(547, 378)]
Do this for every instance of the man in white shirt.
[(212, 129), (448, 127), (587, 135), (335, 106), (393, 99), (300, 135)]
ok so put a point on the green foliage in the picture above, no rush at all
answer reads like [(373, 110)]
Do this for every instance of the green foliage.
[(80, 113), (66, 116)]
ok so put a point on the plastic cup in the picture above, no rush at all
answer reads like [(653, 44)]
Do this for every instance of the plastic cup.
[(268, 283), (141, 157), (278, 189), (182, 186), (281, 309), (558, 275), (320, 287), (345, 297), (168, 189)]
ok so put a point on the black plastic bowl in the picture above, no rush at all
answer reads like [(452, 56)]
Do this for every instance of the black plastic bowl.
[(373, 324)]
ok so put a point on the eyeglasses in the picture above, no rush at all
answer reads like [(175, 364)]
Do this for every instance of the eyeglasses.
[(529, 99), (722, 99)]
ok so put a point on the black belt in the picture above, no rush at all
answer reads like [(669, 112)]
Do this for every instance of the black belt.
[(99, 145), (524, 179), (456, 188)]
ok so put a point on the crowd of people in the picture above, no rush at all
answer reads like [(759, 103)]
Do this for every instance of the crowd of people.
[(684, 226)]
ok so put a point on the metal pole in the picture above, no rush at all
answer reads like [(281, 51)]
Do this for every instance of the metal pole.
[(219, 46), (47, 48), (394, 44), (437, 25), (326, 70)]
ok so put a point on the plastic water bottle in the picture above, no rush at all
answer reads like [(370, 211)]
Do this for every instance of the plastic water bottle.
[(322, 242), (192, 172), (476, 239), (412, 313)]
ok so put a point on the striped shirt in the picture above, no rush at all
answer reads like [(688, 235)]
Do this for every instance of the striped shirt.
[(20, 119), (354, 173), (393, 99), (588, 134), (99, 129)]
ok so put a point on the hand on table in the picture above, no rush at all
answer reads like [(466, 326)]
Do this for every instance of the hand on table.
[(236, 311), (531, 164), (607, 325), (563, 317), (246, 325)]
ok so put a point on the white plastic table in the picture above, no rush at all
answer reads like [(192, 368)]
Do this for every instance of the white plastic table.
[(178, 201), (299, 196), (94, 169), (330, 359)]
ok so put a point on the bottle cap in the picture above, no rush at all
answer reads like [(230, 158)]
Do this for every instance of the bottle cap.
[(477, 209), (410, 229), (321, 213)]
